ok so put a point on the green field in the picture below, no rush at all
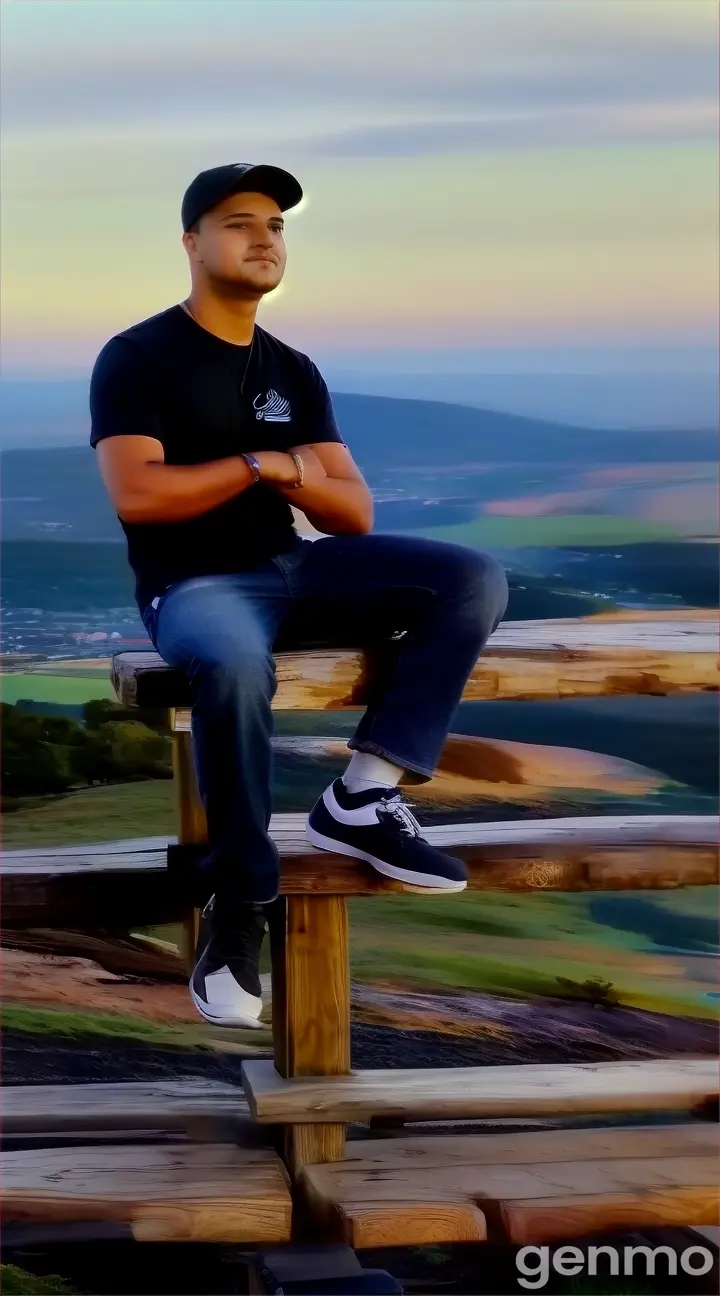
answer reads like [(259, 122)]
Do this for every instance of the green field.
[(573, 529), (73, 689), (145, 809)]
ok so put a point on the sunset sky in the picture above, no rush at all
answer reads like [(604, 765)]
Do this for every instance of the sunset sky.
[(510, 176)]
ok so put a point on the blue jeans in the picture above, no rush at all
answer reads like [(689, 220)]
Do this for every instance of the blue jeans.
[(443, 601)]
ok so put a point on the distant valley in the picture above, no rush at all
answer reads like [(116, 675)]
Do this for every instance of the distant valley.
[(430, 465)]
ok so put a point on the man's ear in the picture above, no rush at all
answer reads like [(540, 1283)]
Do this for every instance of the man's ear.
[(190, 244)]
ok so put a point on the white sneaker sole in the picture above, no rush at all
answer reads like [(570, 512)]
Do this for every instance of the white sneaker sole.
[(221, 1018), (418, 881)]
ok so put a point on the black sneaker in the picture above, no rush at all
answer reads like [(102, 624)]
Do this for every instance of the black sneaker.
[(225, 986), (377, 826)]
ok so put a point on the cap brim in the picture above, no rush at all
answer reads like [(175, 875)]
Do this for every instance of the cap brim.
[(272, 181)]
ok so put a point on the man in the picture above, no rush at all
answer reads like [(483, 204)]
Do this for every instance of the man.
[(208, 429)]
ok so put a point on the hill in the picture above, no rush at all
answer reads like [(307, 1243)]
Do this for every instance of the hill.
[(56, 490), (382, 429)]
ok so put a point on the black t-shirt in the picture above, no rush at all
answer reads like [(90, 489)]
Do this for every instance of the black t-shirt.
[(206, 399)]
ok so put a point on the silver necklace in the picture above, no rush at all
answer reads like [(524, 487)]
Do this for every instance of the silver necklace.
[(188, 312)]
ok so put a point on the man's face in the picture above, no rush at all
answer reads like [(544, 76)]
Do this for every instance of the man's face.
[(240, 245)]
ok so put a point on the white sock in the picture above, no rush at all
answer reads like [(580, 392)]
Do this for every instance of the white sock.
[(367, 771)]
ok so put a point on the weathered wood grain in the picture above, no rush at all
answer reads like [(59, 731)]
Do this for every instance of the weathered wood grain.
[(178, 1193), (430, 1151), (311, 1009), (127, 883), (651, 1205), (587, 656), (445, 1094), (532, 1187), (155, 1105)]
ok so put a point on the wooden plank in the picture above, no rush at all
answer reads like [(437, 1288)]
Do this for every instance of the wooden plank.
[(522, 1181), (217, 1193), (160, 1104), (427, 1152), (361, 1224), (657, 1085), (288, 830), (311, 1010), (128, 883), (585, 656), (529, 1187), (528, 1222), (192, 830)]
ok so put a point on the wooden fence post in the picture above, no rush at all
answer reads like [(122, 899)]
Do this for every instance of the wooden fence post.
[(192, 825), (311, 1009)]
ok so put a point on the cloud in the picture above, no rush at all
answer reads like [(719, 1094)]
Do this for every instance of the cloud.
[(522, 130), (451, 57)]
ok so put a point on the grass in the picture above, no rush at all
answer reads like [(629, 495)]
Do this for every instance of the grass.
[(571, 529), (72, 689), (517, 969), (77, 1024), (145, 809), (560, 917), (18, 1282)]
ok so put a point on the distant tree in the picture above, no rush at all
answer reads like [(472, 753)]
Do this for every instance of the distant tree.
[(32, 767), (137, 749), (99, 710), (594, 991), (45, 755)]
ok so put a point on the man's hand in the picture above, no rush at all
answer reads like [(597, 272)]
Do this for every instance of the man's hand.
[(278, 468), (334, 497)]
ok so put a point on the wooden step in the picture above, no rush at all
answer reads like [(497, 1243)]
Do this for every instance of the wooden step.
[(522, 1188), (181, 1193), (663, 1085), (643, 652), (155, 1105), (72, 886)]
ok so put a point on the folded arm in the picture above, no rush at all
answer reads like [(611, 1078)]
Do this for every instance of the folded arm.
[(334, 495), (144, 488)]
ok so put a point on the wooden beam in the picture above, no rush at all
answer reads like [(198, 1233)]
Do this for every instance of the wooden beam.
[(530, 1188), (179, 1193), (446, 1094), (128, 884), (583, 657), (156, 1105), (311, 1009)]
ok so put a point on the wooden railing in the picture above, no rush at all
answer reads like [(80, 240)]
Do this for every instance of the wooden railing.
[(152, 881)]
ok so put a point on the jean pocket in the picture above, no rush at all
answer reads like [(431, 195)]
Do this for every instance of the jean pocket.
[(290, 562), (150, 615)]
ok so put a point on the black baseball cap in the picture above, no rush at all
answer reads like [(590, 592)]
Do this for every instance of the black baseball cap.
[(211, 187)]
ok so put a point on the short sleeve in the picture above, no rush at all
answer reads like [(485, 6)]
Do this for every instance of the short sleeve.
[(320, 416), (121, 400)]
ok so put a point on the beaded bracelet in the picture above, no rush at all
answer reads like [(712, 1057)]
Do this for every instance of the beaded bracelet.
[(300, 471)]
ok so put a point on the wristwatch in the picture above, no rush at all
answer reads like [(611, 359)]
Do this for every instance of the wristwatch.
[(254, 467)]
